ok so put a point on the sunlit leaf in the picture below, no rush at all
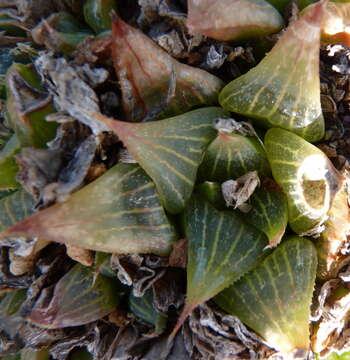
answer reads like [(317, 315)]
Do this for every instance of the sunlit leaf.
[(143, 308), (269, 212), (14, 208), (97, 14), (79, 297), (60, 32), (230, 156), (305, 174), (221, 248), (334, 236), (233, 20), (153, 84), (8, 165), (27, 106), (120, 212), (283, 90), (29, 354), (274, 299), (170, 150)]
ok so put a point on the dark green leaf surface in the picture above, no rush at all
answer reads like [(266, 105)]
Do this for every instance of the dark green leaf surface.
[(221, 248), (154, 85), (144, 309), (211, 192), (170, 150), (14, 208), (80, 297), (283, 90), (12, 302), (269, 212), (97, 14), (8, 165), (306, 176), (120, 212), (230, 156), (275, 298)]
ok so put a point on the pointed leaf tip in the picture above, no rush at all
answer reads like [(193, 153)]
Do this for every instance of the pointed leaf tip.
[(170, 150), (286, 93), (120, 212), (275, 298), (221, 248), (153, 84)]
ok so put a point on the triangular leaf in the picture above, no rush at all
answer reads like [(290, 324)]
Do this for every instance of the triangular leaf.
[(14, 208), (8, 165), (80, 297), (269, 212), (221, 248), (283, 90), (233, 20), (305, 174), (170, 150), (120, 212), (230, 156), (275, 298), (153, 84)]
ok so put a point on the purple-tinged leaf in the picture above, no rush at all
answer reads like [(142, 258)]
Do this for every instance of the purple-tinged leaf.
[(120, 212), (233, 20), (153, 84), (283, 90), (170, 150), (79, 298)]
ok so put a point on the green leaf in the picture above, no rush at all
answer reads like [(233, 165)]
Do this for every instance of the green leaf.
[(170, 150), (221, 248), (80, 354), (60, 32), (103, 264), (211, 192), (79, 297), (27, 106), (15, 207), (12, 302), (120, 212), (274, 299), (305, 174), (230, 156), (334, 356), (143, 308), (97, 14), (29, 354), (283, 90), (233, 20), (269, 212), (8, 165), (153, 84)]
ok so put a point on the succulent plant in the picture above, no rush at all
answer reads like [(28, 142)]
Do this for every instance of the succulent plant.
[(114, 233)]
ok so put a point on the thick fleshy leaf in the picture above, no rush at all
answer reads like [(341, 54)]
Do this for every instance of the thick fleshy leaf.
[(269, 211), (170, 150), (79, 297), (153, 84), (60, 32), (120, 212), (334, 236), (8, 165), (97, 14), (27, 107), (14, 208), (221, 248), (233, 20), (230, 156), (211, 192), (306, 175), (143, 308), (283, 90), (275, 298)]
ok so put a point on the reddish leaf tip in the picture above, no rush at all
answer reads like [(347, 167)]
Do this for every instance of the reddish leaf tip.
[(315, 14), (185, 313)]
